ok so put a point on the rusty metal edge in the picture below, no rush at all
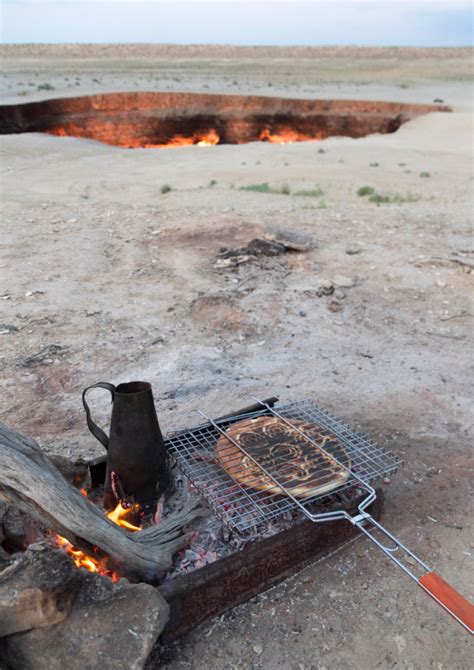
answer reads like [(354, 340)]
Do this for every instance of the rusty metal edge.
[(209, 591)]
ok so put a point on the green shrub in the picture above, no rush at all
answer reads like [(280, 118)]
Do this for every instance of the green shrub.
[(378, 199), (313, 192), (366, 190), (266, 188), (425, 174), (166, 188), (45, 87)]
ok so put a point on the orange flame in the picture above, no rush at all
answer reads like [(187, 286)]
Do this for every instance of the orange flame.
[(91, 563), (286, 136)]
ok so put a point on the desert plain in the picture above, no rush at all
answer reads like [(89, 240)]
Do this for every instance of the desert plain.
[(108, 273)]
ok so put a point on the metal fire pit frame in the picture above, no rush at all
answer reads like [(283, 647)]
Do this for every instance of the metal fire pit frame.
[(203, 594)]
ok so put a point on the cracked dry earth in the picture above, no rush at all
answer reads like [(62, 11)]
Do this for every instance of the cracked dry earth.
[(106, 278)]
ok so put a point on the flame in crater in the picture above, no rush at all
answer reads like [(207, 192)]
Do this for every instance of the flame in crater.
[(286, 136)]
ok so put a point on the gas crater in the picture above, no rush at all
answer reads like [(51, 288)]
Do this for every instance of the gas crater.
[(164, 120)]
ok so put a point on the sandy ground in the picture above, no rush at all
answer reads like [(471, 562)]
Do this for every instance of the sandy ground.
[(120, 278)]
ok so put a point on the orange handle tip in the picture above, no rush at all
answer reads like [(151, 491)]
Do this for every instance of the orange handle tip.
[(460, 608)]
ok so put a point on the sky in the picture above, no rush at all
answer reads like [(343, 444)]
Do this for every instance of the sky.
[(240, 22)]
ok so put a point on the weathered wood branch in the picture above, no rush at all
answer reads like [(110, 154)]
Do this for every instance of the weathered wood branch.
[(29, 481)]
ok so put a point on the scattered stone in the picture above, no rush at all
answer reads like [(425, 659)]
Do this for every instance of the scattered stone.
[(440, 283), (28, 294), (37, 589), (334, 306), (344, 282), (339, 294), (6, 329), (325, 287), (352, 251), (110, 626), (302, 312), (18, 530), (290, 239), (258, 649), (43, 356)]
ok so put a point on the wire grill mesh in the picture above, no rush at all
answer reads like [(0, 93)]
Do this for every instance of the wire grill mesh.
[(243, 508)]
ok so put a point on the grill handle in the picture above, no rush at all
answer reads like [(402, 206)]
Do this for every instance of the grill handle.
[(445, 595)]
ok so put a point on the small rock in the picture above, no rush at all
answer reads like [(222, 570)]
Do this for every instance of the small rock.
[(352, 251), (339, 294), (334, 306), (441, 283), (344, 282), (258, 649), (302, 312), (290, 239), (71, 221), (6, 329), (326, 287)]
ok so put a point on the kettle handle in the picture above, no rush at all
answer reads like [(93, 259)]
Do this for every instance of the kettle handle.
[(94, 428)]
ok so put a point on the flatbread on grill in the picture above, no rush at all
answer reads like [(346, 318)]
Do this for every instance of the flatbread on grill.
[(294, 461)]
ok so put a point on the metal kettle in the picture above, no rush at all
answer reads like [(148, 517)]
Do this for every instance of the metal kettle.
[(137, 468)]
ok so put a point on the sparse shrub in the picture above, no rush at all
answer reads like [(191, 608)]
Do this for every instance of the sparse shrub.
[(378, 199), (313, 192), (166, 188), (409, 197), (321, 151), (258, 188), (266, 188), (366, 190), (212, 183), (374, 164), (425, 174), (404, 86), (45, 87)]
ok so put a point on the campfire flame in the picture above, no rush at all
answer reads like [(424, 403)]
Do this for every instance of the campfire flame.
[(92, 563)]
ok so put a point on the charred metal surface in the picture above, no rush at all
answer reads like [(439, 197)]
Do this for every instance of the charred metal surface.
[(159, 119), (209, 591)]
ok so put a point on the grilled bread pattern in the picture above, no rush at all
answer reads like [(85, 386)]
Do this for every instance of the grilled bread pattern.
[(299, 465)]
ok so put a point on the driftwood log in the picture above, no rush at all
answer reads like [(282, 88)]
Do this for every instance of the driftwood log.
[(29, 481)]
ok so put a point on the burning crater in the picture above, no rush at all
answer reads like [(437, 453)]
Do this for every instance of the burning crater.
[(159, 120)]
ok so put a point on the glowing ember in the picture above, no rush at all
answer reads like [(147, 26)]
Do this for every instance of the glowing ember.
[(91, 563)]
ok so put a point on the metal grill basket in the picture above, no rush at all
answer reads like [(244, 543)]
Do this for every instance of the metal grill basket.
[(242, 508)]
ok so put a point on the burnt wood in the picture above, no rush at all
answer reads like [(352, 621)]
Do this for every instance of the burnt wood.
[(30, 482), (209, 591)]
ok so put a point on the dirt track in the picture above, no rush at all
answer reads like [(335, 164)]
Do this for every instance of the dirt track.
[(120, 278)]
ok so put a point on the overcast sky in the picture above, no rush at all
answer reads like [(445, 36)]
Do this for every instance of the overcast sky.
[(265, 22)]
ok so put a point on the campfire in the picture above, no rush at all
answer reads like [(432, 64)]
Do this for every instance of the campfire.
[(167, 120), (90, 562), (239, 489)]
